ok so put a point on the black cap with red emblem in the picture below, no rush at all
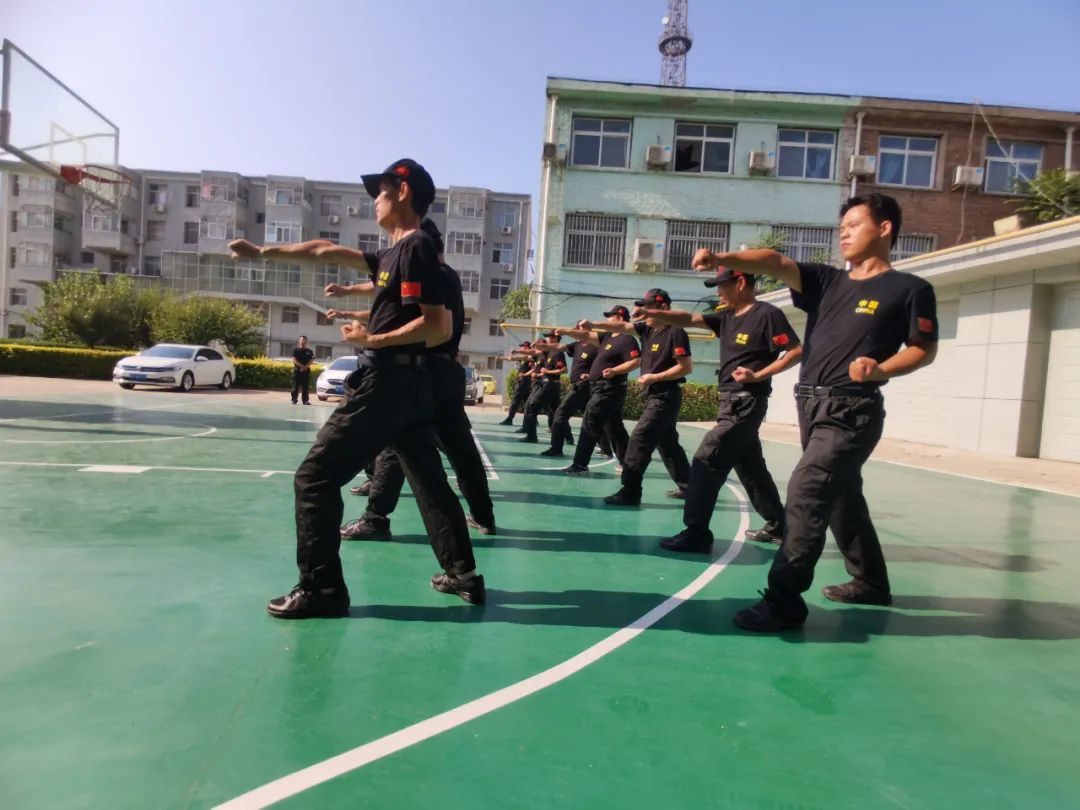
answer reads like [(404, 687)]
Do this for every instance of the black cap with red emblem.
[(411, 172), (652, 297), (725, 275), (619, 310)]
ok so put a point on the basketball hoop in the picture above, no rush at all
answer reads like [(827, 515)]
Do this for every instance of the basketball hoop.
[(106, 185)]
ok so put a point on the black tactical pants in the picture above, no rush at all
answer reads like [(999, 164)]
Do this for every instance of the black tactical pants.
[(657, 430), (572, 404), (544, 398), (603, 417)]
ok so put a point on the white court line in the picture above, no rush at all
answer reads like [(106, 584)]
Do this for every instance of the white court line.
[(492, 475), (266, 473), (101, 412), (115, 468), (209, 430), (326, 770)]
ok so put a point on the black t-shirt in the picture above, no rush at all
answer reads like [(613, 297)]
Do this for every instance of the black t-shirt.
[(583, 355), (850, 318), (554, 361), (406, 276), (614, 350), (303, 357), (525, 366), (752, 340), (452, 300), (660, 345)]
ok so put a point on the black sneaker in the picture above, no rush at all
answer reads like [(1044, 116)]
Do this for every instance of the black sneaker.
[(575, 469), (528, 440), (471, 590), (767, 617), (301, 603), (507, 421), (689, 542), (363, 489), (570, 441), (551, 452), (769, 533), (856, 593), (367, 528), (677, 494), (483, 528), (604, 453), (623, 498)]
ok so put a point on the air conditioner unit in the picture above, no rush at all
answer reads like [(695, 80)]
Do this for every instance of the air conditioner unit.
[(507, 230), (508, 268), (648, 252), (968, 176), (762, 162), (334, 219), (555, 152), (353, 210), (862, 165), (657, 156), (158, 207)]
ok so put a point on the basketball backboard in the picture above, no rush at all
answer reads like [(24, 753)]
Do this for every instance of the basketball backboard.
[(45, 124)]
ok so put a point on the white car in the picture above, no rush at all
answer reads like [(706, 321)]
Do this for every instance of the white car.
[(331, 383), (172, 365)]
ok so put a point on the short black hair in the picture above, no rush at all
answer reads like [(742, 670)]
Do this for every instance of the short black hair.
[(302, 337), (429, 227), (882, 207)]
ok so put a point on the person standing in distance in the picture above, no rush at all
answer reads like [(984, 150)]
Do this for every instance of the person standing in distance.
[(301, 375)]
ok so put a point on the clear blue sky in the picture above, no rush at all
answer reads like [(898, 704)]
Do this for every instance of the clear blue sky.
[(329, 90)]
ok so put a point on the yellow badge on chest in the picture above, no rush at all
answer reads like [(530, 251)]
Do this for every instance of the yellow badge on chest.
[(866, 307), (384, 278), (656, 347), (742, 338), (608, 347)]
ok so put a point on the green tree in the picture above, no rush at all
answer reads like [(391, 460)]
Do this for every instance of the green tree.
[(516, 304), (1051, 196), (88, 309), (771, 240), (201, 320)]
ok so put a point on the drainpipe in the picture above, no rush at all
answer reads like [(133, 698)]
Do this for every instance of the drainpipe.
[(541, 248), (858, 140), (1068, 148)]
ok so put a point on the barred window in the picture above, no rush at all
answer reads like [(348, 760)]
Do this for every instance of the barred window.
[(595, 241), (805, 244), (686, 237), (912, 244)]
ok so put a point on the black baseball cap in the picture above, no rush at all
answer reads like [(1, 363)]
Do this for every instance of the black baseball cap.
[(618, 310), (725, 275), (411, 172), (654, 296), (550, 334)]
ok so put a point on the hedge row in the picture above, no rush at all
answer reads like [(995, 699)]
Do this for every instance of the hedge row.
[(699, 403), (97, 364)]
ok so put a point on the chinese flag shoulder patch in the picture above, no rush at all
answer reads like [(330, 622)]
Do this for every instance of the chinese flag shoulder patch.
[(780, 340), (925, 325), (680, 351), (634, 352), (410, 289)]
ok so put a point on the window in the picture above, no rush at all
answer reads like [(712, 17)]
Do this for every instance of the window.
[(61, 223), (470, 281), (438, 207), (61, 260), (16, 330), (14, 185), (290, 314), (686, 237), (216, 187), (282, 232), (368, 242), (260, 218), (505, 215), (322, 320), (466, 328), (499, 288), (468, 205), (34, 253), (494, 364), (117, 266), (904, 161), (595, 241), (331, 236), (601, 142), (14, 221), (703, 148), (912, 244), (152, 266), (503, 253), (35, 182), (157, 193), (330, 204), (285, 195), (101, 221), (806, 153), (18, 297), (1009, 163), (494, 330), (466, 244), (191, 233), (286, 349), (218, 227), (805, 244), (86, 257), (323, 352), (191, 196), (155, 230), (36, 217), (365, 208)]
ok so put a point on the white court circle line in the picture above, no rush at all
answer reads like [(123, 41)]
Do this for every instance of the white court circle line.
[(324, 771), (206, 432)]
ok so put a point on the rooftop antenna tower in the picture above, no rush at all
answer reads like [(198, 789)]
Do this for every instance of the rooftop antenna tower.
[(674, 44)]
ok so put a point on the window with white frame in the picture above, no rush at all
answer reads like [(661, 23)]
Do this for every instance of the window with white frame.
[(281, 233), (245, 272), (438, 207), (157, 193), (806, 153), (35, 182), (286, 349), (463, 243), (505, 215), (470, 281), (17, 297), (494, 329), (34, 253), (494, 363), (1009, 163), (323, 351), (191, 196), (16, 330), (36, 217), (219, 187), (467, 205), (330, 205), (331, 236), (595, 241), (104, 221), (365, 208), (324, 274), (805, 243), (703, 148), (118, 265), (912, 244), (284, 194), (466, 326), (218, 227), (290, 314), (906, 161), (191, 233), (600, 142), (685, 237), (368, 242), (502, 253), (498, 288), (152, 266), (155, 230)]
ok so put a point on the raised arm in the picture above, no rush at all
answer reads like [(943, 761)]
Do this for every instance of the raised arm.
[(584, 335), (759, 261), (673, 317)]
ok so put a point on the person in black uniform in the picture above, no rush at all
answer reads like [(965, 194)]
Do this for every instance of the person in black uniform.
[(582, 353), (857, 323), (756, 342), (452, 426), (550, 366), (616, 356), (665, 362), (523, 388), (388, 402), (301, 375)]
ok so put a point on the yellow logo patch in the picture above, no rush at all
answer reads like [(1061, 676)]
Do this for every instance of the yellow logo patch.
[(608, 347), (656, 347), (584, 355), (742, 338), (866, 307), (384, 278)]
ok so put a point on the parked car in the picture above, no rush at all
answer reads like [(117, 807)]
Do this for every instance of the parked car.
[(474, 391), (489, 383), (172, 365), (331, 383)]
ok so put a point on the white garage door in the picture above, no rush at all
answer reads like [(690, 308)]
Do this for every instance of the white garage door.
[(1061, 413)]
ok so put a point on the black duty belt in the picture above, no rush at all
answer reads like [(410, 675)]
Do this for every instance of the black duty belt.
[(383, 359), (739, 394), (444, 356), (836, 391)]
